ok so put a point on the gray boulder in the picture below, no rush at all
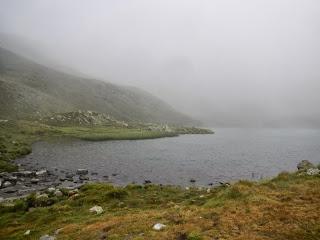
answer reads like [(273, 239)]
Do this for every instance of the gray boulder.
[(82, 171), (305, 165)]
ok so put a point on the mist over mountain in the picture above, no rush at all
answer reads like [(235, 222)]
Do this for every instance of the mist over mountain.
[(31, 90), (228, 63)]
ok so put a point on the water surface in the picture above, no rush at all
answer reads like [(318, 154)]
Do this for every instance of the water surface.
[(229, 154)]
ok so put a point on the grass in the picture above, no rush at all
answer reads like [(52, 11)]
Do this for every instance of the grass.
[(267, 209)]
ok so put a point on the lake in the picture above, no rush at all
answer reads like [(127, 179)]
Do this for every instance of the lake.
[(229, 154)]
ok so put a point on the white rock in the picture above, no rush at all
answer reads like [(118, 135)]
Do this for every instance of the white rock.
[(313, 171), (27, 232), (41, 173), (96, 209), (158, 226), (47, 237), (7, 184)]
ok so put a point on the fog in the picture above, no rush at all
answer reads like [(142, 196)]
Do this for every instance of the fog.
[(227, 63)]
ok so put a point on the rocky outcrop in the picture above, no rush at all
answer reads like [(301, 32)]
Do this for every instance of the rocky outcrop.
[(305, 165)]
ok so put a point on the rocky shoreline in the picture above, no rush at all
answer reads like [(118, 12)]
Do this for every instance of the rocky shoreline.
[(24, 182)]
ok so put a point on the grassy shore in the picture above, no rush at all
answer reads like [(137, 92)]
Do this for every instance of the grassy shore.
[(16, 137), (286, 207)]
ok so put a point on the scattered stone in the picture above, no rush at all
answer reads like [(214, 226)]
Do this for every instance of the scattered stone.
[(69, 175), (47, 237), (34, 180), (58, 193), (83, 178), (10, 190), (27, 232), (96, 209), (158, 226), (147, 182), (304, 165), (56, 232), (51, 190), (42, 173), (44, 195), (82, 171), (73, 192), (7, 184), (313, 171)]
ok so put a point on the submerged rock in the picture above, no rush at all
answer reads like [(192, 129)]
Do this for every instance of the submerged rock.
[(304, 165), (82, 171)]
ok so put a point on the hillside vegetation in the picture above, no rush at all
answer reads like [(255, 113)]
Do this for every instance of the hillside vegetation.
[(29, 90)]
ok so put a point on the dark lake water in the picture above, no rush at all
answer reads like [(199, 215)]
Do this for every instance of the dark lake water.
[(229, 154)]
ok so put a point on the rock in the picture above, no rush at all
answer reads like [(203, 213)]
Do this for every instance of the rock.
[(10, 190), (73, 192), (1, 182), (69, 176), (304, 165), (96, 209), (44, 195), (313, 171), (27, 232), (114, 174), (25, 174), (58, 193), (192, 180), (82, 171), (47, 237), (34, 180), (56, 232), (94, 173), (7, 184), (1, 199), (62, 179), (83, 178), (158, 226), (147, 182), (42, 173), (12, 179), (51, 190)]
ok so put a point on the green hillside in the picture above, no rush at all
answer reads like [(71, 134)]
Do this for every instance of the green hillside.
[(28, 89)]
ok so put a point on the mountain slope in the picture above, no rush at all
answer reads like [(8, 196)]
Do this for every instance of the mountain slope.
[(28, 89)]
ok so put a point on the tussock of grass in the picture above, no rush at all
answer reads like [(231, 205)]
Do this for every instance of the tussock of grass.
[(245, 210)]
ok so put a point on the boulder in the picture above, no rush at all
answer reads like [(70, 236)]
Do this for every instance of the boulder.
[(96, 209), (158, 226), (34, 180), (7, 184), (51, 189), (47, 237), (83, 178), (313, 171), (82, 171), (305, 165), (42, 173), (58, 193)]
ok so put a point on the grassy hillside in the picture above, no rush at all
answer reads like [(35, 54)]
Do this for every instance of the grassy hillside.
[(28, 89), (286, 207)]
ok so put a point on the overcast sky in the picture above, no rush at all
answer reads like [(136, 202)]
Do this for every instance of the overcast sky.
[(226, 62)]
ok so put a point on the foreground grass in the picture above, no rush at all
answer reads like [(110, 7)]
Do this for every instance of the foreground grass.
[(16, 137), (286, 207)]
